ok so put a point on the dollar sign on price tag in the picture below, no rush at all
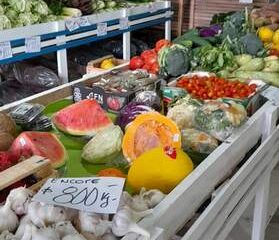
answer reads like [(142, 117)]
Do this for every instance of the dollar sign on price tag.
[(84, 22), (5, 50), (102, 29), (72, 24), (33, 44), (123, 23)]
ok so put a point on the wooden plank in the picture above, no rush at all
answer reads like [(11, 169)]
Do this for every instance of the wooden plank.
[(180, 17), (22, 170)]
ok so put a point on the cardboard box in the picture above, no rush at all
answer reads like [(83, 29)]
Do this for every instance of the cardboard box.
[(110, 101), (94, 65)]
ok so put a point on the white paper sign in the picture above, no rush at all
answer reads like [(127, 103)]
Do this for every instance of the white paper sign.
[(272, 94), (102, 29), (246, 1), (72, 24), (5, 50), (84, 22), (33, 44), (152, 7), (98, 195), (123, 23)]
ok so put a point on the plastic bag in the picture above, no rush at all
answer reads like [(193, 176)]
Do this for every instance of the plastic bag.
[(149, 98), (219, 119), (183, 112), (37, 76), (198, 141)]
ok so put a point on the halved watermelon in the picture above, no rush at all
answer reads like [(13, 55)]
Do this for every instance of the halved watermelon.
[(42, 144), (83, 118)]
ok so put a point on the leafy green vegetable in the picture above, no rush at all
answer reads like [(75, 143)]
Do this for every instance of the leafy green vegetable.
[(251, 43), (1, 10), (213, 59), (174, 60), (40, 7), (20, 6), (256, 64), (193, 37), (5, 23)]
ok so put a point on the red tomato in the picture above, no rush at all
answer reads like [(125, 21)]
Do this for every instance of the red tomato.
[(150, 60), (146, 67), (136, 63), (147, 54), (162, 43), (154, 68)]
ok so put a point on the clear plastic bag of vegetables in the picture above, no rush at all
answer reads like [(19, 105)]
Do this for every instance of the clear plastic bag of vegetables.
[(182, 112), (219, 119), (198, 141)]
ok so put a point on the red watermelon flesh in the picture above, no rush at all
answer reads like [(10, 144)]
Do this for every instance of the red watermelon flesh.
[(42, 144), (83, 118)]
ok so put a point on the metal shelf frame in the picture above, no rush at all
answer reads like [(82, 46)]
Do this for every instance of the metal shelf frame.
[(55, 37)]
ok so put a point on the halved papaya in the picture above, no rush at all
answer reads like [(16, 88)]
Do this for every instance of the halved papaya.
[(148, 131)]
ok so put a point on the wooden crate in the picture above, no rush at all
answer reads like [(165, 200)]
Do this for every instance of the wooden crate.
[(38, 166)]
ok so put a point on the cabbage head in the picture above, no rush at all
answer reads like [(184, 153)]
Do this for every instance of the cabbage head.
[(49, 18), (1, 10), (40, 7), (27, 19), (11, 14), (5, 22), (21, 6)]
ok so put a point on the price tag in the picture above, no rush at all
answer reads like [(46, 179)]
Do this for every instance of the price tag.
[(5, 50), (33, 44), (246, 1), (124, 23), (152, 8), (72, 24), (98, 195), (102, 29), (84, 22), (272, 94)]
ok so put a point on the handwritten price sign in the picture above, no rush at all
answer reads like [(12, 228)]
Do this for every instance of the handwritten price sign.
[(98, 195)]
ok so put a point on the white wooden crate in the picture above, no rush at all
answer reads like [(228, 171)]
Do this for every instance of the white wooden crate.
[(219, 218), (181, 204)]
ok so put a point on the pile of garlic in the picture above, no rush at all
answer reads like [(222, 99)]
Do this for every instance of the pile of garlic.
[(23, 219)]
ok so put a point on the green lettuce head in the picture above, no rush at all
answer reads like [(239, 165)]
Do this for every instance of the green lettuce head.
[(21, 6), (40, 7), (5, 22)]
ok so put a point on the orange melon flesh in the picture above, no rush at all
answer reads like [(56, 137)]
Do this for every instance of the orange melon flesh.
[(148, 131), (83, 118), (42, 144)]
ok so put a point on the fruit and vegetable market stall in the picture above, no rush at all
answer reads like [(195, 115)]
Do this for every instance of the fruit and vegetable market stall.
[(192, 126)]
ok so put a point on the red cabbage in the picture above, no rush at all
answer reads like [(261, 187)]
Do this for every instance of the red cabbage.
[(130, 112), (210, 31)]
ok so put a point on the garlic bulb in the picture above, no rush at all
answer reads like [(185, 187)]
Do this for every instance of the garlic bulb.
[(19, 199), (152, 197), (8, 219), (109, 236), (136, 202), (65, 228), (6, 235), (125, 221), (22, 226), (33, 233), (43, 214), (93, 223), (73, 237)]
